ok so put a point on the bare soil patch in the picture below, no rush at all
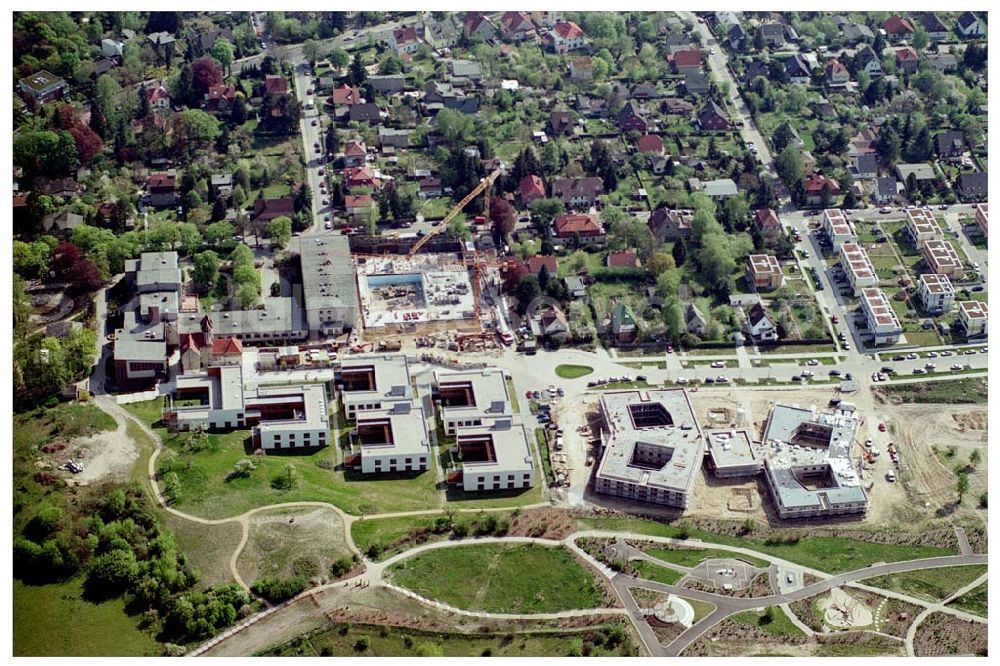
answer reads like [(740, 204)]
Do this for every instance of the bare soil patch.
[(666, 632), (290, 542)]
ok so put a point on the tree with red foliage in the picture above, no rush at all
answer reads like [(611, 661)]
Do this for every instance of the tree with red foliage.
[(83, 277), (88, 142), (65, 255), (502, 215), (205, 73), (511, 272)]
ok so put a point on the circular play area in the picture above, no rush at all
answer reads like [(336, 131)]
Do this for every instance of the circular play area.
[(842, 611)]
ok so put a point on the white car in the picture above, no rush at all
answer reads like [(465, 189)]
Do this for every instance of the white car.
[(719, 364), (328, 225), (722, 379), (813, 361), (681, 380), (932, 354)]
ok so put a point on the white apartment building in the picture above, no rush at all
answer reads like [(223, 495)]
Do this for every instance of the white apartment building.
[(838, 228), (471, 398), (392, 439), (858, 267), (372, 382), (921, 226), (941, 258), (881, 319), (936, 293), (494, 456), (974, 316)]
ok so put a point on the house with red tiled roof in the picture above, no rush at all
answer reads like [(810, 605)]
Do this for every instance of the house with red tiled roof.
[(586, 227), (627, 259), (531, 188), (536, 262), (162, 188), (219, 98), (837, 75), (897, 27), (345, 95), (685, 60), (361, 177), (566, 36), (358, 205), (907, 60), (226, 351), (816, 184), (265, 210), (516, 26), (477, 25), (404, 40), (158, 97), (355, 153), (578, 192), (650, 143), (276, 85), (766, 221)]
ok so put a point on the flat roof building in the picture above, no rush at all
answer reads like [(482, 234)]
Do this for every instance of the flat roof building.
[(278, 319), (858, 267), (471, 398), (936, 293), (652, 446), (983, 218), (329, 287), (942, 258), (392, 439), (494, 456), (838, 228), (373, 382), (731, 453), (921, 226), (881, 320), (764, 271), (807, 463), (973, 317)]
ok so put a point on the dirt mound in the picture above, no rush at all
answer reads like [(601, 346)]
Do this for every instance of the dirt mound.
[(543, 523), (971, 420)]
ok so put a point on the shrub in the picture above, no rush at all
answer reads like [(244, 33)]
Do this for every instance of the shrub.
[(277, 590), (363, 644)]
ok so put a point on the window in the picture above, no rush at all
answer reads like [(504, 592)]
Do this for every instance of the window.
[(408, 461), (510, 484)]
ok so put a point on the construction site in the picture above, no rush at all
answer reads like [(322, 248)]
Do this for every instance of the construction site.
[(400, 293)]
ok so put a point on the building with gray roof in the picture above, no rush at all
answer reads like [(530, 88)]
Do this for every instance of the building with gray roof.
[(471, 398), (392, 439), (731, 453), (372, 382), (278, 319), (329, 285), (494, 456), (652, 446)]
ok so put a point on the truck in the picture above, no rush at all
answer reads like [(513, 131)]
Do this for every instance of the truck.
[(389, 345)]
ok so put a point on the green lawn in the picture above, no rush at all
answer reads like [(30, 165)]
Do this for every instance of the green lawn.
[(829, 554), (655, 572), (354, 640), (500, 578), (543, 450), (973, 601), (573, 371), (971, 390), (513, 395), (929, 584), (773, 621), (701, 608), (206, 492), (690, 557), (54, 621)]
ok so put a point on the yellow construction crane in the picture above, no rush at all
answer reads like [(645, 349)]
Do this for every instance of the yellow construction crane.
[(484, 184)]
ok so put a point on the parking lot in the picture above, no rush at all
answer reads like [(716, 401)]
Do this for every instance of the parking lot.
[(725, 574)]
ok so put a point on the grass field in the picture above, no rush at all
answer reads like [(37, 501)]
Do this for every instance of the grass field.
[(206, 492), (701, 608), (543, 451), (500, 578), (207, 547), (347, 641), (53, 620), (971, 390), (775, 622), (573, 371), (655, 572), (287, 542), (973, 601), (690, 557), (929, 584), (829, 554)]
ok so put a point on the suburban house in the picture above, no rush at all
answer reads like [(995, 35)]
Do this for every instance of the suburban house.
[(650, 143), (477, 26), (162, 188), (907, 60), (358, 206), (668, 224), (897, 27), (221, 184), (581, 68), (837, 75), (687, 60), (935, 28), (42, 87), (868, 61), (158, 97), (276, 85), (466, 70), (516, 26), (942, 258), (345, 95), (386, 83), (561, 123), (219, 98), (442, 95), (361, 177), (759, 324), (536, 262), (627, 259), (265, 210), (972, 186), (818, 186), (797, 70), (764, 271), (531, 188), (624, 326), (404, 40), (551, 324), (694, 321), (766, 221), (62, 222), (632, 119), (973, 318), (571, 226), (711, 118), (697, 83), (970, 26), (921, 172), (864, 167), (440, 34), (936, 293), (367, 112), (773, 34), (355, 153), (565, 36), (855, 33), (942, 62), (886, 190), (578, 193), (395, 138)]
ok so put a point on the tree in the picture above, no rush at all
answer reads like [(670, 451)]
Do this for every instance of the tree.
[(220, 234), (920, 38), (279, 230), (975, 457), (679, 252), (112, 573), (660, 262), (219, 209), (223, 52), (310, 49), (673, 318), (357, 74), (198, 127), (850, 199), (502, 216), (789, 165), (238, 114), (205, 273), (339, 58), (962, 485), (205, 73), (527, 290)]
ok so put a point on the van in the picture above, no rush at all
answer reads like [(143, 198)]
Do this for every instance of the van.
[(890, 476)]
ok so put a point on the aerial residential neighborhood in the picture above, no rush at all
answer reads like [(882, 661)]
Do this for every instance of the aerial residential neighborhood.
[(500, 333)]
